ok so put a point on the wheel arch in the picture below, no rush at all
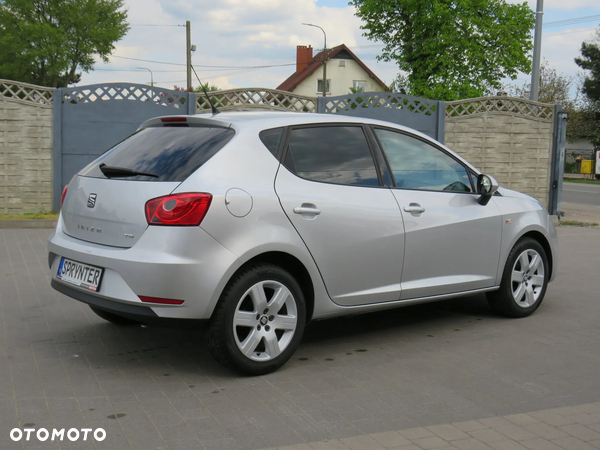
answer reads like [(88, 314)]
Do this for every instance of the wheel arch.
[(295, 267), (541, 239)]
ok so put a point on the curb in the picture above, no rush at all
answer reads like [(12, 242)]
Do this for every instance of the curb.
[(27, 223)]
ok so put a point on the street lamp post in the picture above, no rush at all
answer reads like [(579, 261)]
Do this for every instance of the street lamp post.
[(151, 81), (151, 75), (324, 57)]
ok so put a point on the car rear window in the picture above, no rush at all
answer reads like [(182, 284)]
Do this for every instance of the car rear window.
[(172, 154)]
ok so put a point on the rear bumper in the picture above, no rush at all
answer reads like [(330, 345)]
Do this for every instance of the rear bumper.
[(183, 263), (124, 309)]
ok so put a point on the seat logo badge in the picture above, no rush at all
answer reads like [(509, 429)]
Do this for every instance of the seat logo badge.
[(91, 200)]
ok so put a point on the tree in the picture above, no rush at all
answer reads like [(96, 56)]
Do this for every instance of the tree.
[(45, 42), (556, 88), (553, 88), (451, 49), (590, 60), (209, 88)]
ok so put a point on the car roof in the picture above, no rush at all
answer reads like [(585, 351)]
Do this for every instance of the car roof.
[(272, 119)]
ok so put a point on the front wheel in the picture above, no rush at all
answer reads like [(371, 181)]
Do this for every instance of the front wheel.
[(524, 280), (259, 320)]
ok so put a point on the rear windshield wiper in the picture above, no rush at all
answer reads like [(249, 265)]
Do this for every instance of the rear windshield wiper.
[(117, 172)]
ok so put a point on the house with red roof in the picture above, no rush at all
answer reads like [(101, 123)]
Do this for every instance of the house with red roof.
[(344, 71)]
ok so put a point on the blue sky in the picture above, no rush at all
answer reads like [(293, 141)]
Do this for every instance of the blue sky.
[(232, 35)]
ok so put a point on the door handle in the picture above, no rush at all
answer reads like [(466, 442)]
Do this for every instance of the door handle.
[(414, 208), (308, 210)]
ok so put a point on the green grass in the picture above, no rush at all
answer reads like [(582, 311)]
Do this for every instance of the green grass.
[(37, 215), (580, 181), (574, 223)]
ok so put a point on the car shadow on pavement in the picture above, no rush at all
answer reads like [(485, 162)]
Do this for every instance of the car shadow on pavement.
[(398, 318), (165, 350)]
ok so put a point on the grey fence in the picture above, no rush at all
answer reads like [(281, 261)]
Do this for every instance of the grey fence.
[(427, 116), (46, 137), (90, 119)]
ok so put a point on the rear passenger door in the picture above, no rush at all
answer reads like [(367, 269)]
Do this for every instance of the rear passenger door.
[(333, 194)]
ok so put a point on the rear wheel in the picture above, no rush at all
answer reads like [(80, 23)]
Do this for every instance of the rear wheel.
[(259, 320), (113, 318), (524, 280)]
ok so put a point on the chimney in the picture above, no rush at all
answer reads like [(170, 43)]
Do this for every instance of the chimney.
[(304, 56)]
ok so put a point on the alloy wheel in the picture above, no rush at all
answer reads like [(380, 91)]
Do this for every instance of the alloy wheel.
[(527, 278), (265, 320)]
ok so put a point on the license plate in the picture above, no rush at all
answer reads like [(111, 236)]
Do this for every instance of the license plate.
[(79, 274)]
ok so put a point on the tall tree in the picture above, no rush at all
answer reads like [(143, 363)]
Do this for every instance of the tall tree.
[(451, 49), (45, 42), (553, 87), (590, 61), (556, 88)]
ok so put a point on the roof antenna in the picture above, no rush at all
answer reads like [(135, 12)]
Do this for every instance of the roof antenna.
[(215, 111)]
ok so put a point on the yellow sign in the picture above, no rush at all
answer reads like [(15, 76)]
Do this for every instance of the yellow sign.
[(586, 165)]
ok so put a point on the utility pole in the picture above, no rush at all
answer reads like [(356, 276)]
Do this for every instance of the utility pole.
[(324, 57), (188, 52), (537, 50)]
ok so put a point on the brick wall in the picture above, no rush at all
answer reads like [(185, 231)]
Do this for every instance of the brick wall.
[(514, 149), (25, 156)]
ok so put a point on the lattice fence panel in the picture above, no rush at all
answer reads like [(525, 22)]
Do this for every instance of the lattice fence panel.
[(26, 93), (387, 100), (500, 104), (90, 94), (255, 98)]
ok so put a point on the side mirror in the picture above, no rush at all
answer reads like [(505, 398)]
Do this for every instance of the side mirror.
[(486, 187)]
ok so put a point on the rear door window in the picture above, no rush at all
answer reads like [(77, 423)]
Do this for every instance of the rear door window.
[(170, 153), (333, 154)]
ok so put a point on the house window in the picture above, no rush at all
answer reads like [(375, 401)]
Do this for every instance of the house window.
[(320, 86), (342, 63), (359, 85)]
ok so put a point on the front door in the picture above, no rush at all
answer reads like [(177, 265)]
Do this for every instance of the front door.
[(452, 242)]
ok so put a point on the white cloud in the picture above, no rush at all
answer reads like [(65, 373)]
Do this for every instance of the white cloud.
[(560, 4), (266, 32)]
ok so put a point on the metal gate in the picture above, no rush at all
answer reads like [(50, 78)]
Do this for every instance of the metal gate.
[(88, 120), (558, 161), (424, 115)]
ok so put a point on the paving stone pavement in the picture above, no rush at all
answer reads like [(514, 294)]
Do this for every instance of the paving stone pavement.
[(444, 375)]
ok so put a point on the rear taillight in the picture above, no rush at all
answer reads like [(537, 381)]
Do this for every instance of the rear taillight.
[(64, 194), (160, 301), (178, 209)]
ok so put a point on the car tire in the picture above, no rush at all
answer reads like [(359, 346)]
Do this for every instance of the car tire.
[(114, 318), (259, 320), (524, 280)]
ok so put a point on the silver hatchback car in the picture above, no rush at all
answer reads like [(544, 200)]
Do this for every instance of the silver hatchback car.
[(258, 222)]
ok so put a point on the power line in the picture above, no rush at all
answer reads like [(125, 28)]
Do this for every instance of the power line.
[(153, 25), (582, 30), (137, 70), (207, 66), (573, 21), (148, 60)]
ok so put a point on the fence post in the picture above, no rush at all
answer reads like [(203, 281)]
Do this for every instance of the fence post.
[(56, 148), (191, 101), (321, 104), (441, 121), (557, 167)]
